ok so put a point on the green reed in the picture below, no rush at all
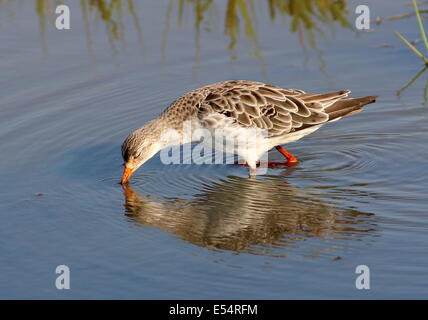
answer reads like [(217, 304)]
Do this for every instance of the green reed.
[(424, 37)]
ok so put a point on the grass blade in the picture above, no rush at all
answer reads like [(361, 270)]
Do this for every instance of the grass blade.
[(421, 26), (416, 51)]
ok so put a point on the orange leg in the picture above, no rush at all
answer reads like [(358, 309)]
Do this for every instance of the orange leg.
[(290, 158)]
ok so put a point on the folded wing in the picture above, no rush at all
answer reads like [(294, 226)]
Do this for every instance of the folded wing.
[(278, 110)]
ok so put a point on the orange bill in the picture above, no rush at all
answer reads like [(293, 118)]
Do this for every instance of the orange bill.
[(127, 173)]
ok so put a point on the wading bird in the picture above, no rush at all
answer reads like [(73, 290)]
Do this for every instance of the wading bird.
[(264, 116)]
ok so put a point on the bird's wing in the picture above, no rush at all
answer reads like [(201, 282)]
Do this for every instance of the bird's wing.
[(258, 105)]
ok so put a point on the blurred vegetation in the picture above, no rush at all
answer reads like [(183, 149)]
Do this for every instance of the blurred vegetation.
[(110, 12), (240, 20), (303, 16)]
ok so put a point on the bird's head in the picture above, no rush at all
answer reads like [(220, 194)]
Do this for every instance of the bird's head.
[(137, 148)]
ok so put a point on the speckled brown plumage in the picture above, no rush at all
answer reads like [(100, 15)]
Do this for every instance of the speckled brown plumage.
[(258, 105)]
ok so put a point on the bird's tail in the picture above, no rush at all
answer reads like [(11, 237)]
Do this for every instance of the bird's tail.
[(348, 106)]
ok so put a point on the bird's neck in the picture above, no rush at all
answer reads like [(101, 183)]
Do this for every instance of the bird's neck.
[(171, 133)]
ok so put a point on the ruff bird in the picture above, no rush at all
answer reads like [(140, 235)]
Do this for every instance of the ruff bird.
[(262, 115)]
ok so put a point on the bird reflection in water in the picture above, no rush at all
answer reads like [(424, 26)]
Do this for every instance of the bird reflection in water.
[(249, 215)]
